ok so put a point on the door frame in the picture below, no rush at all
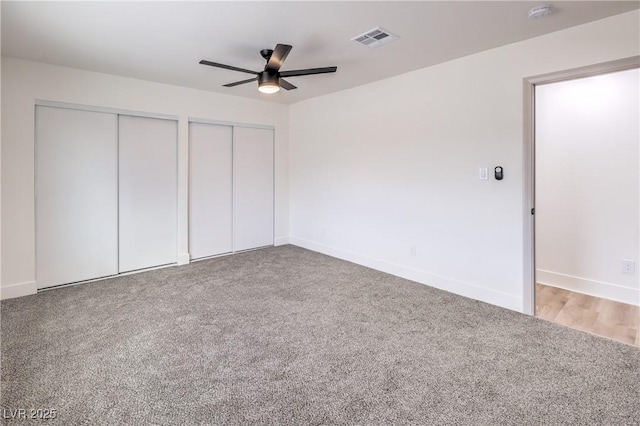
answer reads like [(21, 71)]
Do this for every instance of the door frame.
[(529, 85)]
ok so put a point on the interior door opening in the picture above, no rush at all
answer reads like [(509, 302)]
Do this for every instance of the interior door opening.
[(585, 233)]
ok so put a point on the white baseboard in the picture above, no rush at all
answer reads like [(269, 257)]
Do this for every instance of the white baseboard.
[(590, 287), (184, 258), (281, 241), (18, 290), (444, 283)]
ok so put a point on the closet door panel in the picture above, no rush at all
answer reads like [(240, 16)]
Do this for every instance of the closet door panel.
[(147, 192), (210, 190), (76, 195), (253, 187)]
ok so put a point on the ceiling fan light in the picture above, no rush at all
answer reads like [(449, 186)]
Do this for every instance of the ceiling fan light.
[(268, 82), (268, 88)]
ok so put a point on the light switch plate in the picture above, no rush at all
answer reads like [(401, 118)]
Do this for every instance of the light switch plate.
[(484, 173)]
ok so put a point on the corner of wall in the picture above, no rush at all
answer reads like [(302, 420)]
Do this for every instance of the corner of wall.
[(281, 241), (18, 290)]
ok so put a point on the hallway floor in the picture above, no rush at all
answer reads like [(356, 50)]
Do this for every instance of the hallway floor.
[(607, 318)]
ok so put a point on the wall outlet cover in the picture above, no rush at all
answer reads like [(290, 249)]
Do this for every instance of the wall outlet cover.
[(628, 266)]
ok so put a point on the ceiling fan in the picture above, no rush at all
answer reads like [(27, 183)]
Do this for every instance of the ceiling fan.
[(270, 79)]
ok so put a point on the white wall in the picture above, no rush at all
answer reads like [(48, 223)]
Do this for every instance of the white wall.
[(23, 82), (383, 167), (587, 184), (0, 167)]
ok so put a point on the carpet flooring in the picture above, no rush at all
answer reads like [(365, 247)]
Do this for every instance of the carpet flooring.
[(287, 336)]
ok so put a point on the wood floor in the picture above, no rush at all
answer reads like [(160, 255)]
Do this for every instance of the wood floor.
[(615, 320)]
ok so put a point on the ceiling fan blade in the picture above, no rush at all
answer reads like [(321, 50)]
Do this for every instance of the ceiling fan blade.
[(227, 67), (295, 73), (278, 56), (286, 85), (237, 83)]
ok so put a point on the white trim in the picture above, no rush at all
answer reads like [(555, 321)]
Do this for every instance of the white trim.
[(233, 188), (281, 241), (230, 123), (423, 277), (56, 104), (179, 256), (18, 290), (273, 187), (213, 256), (108, 277), (183, 258), (590, 287), (117, 130), (231, 253), (528, 180), (528, 201), (253, 249)]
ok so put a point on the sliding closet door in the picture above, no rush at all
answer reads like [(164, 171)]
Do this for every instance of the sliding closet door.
[(147, 192), (76, 195), (252, 187), (210, 198)]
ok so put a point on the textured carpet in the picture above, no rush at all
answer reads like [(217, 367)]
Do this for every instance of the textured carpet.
[(288, 336)]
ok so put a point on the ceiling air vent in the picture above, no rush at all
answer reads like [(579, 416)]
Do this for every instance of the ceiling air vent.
[(375, 37)]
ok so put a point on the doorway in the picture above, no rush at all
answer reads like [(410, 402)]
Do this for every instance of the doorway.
[(581, 176)]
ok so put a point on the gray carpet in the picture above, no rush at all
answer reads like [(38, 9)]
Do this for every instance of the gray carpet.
[(290, 337)]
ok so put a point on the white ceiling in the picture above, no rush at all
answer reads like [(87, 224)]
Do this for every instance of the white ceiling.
[(163, 41)]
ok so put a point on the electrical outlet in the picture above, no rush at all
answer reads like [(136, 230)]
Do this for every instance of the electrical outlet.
[(628, 266), (413, 251)]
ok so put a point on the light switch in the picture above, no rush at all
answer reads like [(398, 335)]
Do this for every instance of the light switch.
[(484, 173)]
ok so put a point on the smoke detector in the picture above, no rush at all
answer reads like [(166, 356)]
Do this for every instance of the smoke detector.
[(540, 11), (375, 37)]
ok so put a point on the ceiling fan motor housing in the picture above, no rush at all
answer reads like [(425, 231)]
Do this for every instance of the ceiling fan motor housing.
[(269, 81), (269, 77)]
